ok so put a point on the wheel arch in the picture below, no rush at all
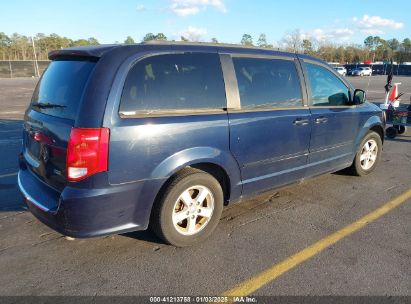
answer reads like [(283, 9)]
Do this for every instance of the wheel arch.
[(379, 130), (220, 164), (373, 123)]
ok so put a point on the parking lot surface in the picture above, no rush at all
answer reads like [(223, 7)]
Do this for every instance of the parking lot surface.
[(251, 237)]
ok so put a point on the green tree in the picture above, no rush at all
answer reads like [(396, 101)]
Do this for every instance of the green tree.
[(394, 44), (406, 44), (247, 40), (161, 36), (262, 41), (149, 37), (214, 40), (369, 43), (19, 46), (5, 43), (307, 46), (80, 42), (92, 41), (129, 40)]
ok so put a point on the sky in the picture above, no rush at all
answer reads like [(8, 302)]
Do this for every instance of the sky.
[(344, 21)]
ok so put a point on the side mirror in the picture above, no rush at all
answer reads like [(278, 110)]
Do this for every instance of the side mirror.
[(359, 96)]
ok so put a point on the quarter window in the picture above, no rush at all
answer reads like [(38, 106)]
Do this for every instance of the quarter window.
[(267, 83), (326, 88), (174, 82)]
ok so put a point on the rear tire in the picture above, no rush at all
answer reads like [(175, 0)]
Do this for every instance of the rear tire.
[(391, 132), (400, 129), (368, 155), (189, 209)]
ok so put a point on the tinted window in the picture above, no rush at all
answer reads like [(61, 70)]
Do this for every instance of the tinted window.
[(267, 83), (174, 82), (326, 88), (61, 88)]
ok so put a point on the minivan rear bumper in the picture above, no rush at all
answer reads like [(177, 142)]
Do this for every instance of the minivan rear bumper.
[(83, 213)]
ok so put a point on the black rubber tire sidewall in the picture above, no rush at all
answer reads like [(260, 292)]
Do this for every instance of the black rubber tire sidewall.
[(400, 129), (161, 221), (391, 132)]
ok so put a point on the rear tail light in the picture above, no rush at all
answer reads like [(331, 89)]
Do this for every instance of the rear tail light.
[(87, 152)]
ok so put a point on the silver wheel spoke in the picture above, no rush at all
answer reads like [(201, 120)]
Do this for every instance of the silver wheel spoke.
[(206, 212), (363, 157), (186, 198), (373, 146), (202, 195), (191, 225), (179, 216)]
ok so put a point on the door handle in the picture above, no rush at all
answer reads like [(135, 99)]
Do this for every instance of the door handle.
[(321, 120), (301, 122)]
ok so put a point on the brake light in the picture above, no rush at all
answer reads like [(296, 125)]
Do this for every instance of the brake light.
[(87, 152)]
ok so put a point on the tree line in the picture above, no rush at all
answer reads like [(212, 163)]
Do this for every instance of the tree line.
[(20, 47)]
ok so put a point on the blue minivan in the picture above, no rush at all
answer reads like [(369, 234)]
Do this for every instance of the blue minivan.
[(118, 138)]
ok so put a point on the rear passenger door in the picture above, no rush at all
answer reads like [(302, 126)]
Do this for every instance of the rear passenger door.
[(336, 119), (269, 123)]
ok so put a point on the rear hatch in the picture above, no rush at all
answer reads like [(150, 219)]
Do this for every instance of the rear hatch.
[(51, 116)]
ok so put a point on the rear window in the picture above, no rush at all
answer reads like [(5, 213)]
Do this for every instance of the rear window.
[(174, 82), (60, 89)]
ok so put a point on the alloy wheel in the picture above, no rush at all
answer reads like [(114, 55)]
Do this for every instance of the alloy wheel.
[(193, 210), (369, 154)]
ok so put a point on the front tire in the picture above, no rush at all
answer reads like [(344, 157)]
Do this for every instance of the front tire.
[(189, 209), (368, 154)]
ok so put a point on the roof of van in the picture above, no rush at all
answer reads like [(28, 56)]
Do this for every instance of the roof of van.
[(97, 51)]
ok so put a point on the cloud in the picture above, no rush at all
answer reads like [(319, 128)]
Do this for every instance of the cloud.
[(140, 8), (376, 25), (194, 33), (372, 31), (339, 34), (192, 7)]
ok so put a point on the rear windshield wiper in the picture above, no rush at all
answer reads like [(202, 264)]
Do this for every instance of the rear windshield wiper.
[(47, 105)]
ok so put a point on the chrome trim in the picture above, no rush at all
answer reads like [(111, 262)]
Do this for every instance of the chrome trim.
[(31, 160), (29, 198)]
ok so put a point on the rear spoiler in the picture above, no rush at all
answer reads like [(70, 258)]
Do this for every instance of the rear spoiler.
[(81, 53)]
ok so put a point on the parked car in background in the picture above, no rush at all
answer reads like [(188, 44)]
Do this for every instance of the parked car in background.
[(362, 71), (341, 70), (120, 137)]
